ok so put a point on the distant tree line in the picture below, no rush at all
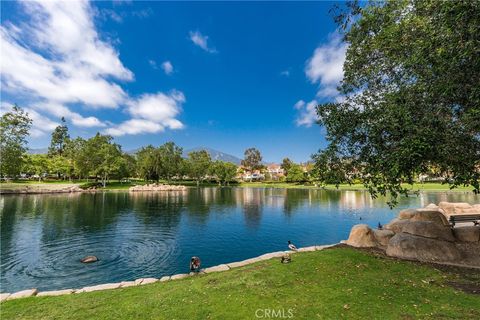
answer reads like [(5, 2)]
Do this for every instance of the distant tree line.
[(100, 159)]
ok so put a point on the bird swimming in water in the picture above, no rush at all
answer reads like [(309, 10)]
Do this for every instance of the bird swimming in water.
[(89, 259), (291, 246)]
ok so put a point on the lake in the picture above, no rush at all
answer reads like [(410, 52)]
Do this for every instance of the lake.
[(136, 235)]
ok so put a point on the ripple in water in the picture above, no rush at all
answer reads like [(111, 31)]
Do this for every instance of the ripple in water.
[(43, 237), (125, 253)]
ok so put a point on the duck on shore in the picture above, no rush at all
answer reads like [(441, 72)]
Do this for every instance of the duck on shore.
[(291, 246), (195, 264)]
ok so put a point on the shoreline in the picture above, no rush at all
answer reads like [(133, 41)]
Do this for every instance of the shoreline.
[(58, 188), (4, 296)]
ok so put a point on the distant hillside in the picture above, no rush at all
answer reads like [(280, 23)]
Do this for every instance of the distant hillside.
[(38, 151), (215, 155)]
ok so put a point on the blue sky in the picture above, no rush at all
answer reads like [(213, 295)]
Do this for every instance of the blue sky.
[(222, 75)]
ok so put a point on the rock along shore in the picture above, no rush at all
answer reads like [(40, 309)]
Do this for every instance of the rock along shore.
[(426, 235), (143, 281), (76, 188), (39, 190), (157, 187)]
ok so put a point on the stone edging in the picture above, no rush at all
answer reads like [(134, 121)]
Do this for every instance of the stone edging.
[(143, 281)]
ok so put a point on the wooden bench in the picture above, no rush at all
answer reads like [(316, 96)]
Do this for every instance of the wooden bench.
[(475, 218)]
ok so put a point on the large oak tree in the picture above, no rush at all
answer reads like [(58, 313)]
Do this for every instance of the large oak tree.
[(411, 91)]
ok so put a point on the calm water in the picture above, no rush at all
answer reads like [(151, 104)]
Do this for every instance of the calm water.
[(155, 234)]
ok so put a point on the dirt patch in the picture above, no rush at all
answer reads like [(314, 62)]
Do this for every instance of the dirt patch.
[(473, 288)]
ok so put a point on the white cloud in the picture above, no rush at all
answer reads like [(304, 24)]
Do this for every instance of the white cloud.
[(153, 64), (202, 41), (324, 68), (151, 113), (57, 56), (110, 14), (142, 14), (167, 67), (60, 110), (41, 125), (55, 62), (285, 73), (307, 113), (135, 126)]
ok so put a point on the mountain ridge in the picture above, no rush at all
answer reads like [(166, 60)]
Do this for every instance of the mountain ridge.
[(214, 154)]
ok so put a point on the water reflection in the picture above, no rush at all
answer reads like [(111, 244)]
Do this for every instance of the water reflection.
[(153, 234)]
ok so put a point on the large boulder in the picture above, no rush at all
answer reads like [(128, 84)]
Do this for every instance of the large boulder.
[(396, 225), (407, 213), (467, 234), (431, 206), (383, 236), (408, 246), (430, 215), (470, 253), (454, 207), (361, 236), (429, 229)]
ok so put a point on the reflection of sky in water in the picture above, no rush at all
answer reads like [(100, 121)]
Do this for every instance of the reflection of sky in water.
[(154, 234)]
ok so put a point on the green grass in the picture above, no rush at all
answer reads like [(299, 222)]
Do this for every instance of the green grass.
[(355, 187), (117, 185), (340, 283)]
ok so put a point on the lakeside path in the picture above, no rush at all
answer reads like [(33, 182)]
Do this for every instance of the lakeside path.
[(57, 186), (335, 283)]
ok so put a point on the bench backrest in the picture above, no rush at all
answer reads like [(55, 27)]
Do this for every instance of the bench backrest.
[(465, 217)]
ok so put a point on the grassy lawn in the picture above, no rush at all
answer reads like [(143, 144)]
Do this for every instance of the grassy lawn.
[(50, 185), (117, 185), (355, 187), (340, 283)]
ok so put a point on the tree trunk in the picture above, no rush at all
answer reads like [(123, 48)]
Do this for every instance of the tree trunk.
[(104, 180)]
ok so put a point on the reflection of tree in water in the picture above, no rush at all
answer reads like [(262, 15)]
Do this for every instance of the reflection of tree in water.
[(226, 197), (252, 200), (95, 211), (50, 217), (201, 202), (161, 208), (345, 200), (294, 198), (10, 210), (198, 204), (355, 200)]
